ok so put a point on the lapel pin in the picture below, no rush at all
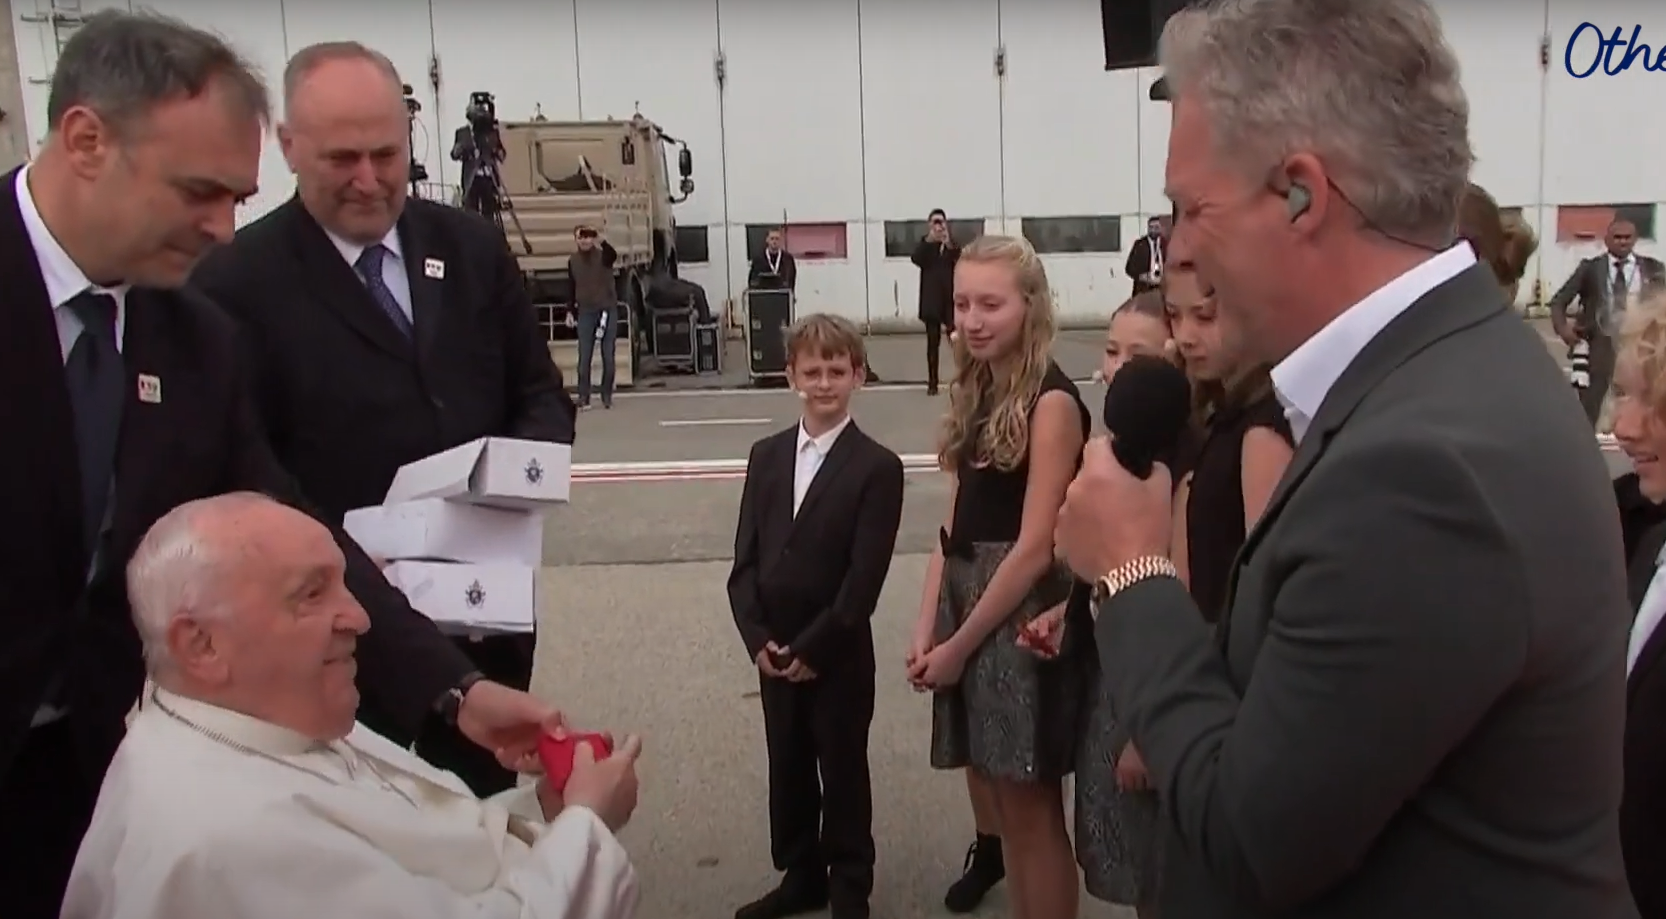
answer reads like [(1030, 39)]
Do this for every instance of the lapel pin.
[(434, 268), (150, 389)]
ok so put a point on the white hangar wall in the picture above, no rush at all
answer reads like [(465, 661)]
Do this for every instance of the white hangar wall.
[(848, 120)]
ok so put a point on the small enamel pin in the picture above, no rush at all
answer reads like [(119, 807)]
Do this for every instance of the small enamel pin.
[(150, 389), (434, 268)]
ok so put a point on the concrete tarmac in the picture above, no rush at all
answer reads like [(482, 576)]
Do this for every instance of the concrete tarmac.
[(636, 636)]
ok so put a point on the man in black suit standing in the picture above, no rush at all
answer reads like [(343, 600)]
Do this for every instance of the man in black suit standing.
[(1414, 701), (773, 268), (126, 398), (936, 256), (819, 514), (383, 329), (1145, 257), (1605, 286)]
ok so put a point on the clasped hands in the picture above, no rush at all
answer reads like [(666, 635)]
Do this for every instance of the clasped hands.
[(778, 662)]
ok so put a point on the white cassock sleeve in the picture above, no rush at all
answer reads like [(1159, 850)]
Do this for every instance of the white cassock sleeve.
[(293, 864)]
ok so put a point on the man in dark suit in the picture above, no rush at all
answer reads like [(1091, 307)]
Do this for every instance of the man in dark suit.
[(773, 268), (1605, 285), (382, 330), (935, 256), (1413, 704), (819, 514), (126, 398), (1145, 258), (1643, 809), (1640, 428)]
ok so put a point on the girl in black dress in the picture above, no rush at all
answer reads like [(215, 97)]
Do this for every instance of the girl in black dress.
[(1243, 447), (1012, 441), (1116, 814)]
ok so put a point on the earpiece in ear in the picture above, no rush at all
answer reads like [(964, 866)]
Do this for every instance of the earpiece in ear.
[(1298, 199)]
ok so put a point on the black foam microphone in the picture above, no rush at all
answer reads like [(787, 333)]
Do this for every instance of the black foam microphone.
[(1147, 406)]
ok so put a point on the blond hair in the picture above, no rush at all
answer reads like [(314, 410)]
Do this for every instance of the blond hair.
[(826, 336), (988, 423), (1643, 341)]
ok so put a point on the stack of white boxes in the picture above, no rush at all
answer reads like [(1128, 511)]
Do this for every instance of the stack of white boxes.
[(463, 531)]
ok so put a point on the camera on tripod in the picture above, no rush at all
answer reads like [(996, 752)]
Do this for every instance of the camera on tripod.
[(481, 113)]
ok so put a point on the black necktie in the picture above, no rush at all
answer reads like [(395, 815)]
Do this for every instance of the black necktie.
[(97, 383), (1621, 291)]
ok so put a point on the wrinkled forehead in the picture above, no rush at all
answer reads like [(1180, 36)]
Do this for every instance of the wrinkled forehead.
[(209, 141)]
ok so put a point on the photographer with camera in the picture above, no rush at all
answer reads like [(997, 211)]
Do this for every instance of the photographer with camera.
[(479, 148), (596, 301), (383, 329)]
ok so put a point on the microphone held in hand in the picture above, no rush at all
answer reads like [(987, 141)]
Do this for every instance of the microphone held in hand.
[(1147, 406)]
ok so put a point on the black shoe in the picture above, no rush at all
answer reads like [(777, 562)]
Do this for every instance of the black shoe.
[(984, 869), (931, 389), (784, 901), (848, 911)]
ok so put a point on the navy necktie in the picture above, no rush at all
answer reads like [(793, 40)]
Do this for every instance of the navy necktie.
[(97, 383), (369, 267)]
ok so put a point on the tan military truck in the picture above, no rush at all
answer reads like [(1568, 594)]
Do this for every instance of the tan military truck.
[(610, 175)]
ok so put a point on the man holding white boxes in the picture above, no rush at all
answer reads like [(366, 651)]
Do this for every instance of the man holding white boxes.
[(383, 332)]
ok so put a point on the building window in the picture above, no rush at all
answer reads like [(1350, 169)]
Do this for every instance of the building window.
[(693, 245), (803, 241), (1578, 222), (1060, 235), (901, 236)]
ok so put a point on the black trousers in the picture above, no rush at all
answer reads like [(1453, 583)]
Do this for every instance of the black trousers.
[(46, 804), (820, 792), (505, 659), (934, 343)]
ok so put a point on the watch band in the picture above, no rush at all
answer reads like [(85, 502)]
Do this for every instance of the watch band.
[(452, 701), (1128, 574)]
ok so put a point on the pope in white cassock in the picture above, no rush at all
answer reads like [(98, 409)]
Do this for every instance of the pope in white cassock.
[(245, 790)]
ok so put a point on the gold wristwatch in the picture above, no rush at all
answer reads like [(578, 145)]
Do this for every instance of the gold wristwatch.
[(1128, 574)]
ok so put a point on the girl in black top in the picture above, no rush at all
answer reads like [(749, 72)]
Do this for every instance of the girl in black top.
[(1243, 447), (1012, 441), (1118, 846)]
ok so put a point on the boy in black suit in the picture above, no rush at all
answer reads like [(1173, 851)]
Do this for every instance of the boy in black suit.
[(819, 514)]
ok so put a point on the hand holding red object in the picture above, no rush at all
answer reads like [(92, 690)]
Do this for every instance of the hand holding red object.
[(556, 753)]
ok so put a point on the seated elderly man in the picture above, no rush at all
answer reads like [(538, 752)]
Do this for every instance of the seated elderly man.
[(245, 790)]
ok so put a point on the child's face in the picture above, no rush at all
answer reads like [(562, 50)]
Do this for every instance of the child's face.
[(1209, 355), (989, 309), (825, 381), (1133, 335)]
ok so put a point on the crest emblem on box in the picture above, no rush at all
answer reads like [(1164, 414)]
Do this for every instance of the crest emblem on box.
[(534, 472), (475, 594)]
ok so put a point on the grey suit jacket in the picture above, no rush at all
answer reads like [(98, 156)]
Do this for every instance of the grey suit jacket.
[(1414, 705), (1591, 284)]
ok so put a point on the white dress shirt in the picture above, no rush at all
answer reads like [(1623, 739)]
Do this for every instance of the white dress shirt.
[(1304, 378), (1627, 268), (220, 814), (64, 279), (812, 452), (1649, 613), (393, 266)]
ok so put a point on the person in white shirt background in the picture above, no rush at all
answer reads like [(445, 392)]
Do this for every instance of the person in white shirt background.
[(244, 788), (1640, 427)]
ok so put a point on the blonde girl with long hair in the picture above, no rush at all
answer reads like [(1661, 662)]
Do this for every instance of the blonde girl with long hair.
[(1011, 443)]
